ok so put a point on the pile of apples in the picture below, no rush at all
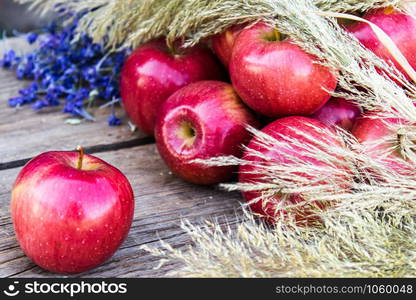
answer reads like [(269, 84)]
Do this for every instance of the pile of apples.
[(198, 110)]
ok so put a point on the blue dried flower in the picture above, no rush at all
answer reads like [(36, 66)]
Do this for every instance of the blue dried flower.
[(113, 120), (90, 74), (9, 59), (16, 101), (32, 37)]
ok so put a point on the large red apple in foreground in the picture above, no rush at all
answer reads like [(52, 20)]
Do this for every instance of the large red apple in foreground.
[(200, 121), (400, 27), (338, 112), (289, 131), (275, 77), (381, 141), (71, 211), (153, 72), (223, 43)]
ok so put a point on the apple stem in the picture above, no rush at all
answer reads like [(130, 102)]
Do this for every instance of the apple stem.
[(81, 157), (171, 47)]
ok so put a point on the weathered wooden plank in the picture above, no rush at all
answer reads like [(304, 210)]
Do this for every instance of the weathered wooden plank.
[(15, 16), (162, 200), (25, 133)]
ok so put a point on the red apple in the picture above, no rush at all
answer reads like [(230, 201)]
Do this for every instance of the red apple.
[(223, 43), (400, 27), (287, 132), (200, 121), (275, 77), (71, 211), (338, 112), (153, 72), (381, 141)]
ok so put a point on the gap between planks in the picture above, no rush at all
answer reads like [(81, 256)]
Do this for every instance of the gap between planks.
[(89, 150)]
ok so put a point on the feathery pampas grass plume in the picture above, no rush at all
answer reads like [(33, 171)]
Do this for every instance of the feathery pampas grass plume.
[(353, 245), (359, 190), (132, 22), (369, 230)]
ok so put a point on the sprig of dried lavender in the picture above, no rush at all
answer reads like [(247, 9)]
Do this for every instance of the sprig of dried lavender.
[(77, 71)]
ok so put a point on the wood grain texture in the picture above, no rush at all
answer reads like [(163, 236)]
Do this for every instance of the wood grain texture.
[(162, 201), (14, 16)]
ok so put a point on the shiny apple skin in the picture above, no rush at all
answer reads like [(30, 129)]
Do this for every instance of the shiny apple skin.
[(69, 220), (277, 78), (369, 130), (400, 27), (338, 112), (152, 73), (219, 120), (248, 173), (223, 43)]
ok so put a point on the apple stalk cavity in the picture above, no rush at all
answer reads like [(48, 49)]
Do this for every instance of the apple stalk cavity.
[(203, 120)]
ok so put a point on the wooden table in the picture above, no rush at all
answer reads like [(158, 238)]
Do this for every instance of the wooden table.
[(162, 200)]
